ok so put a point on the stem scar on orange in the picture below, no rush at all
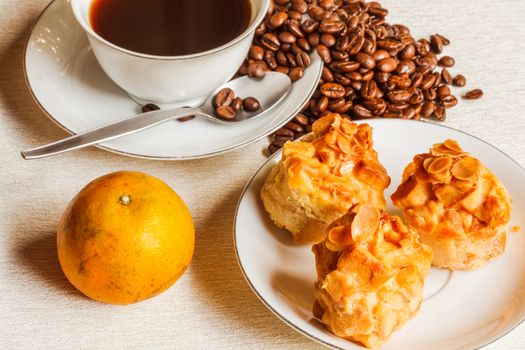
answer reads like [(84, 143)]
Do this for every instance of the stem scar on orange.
[(125, 237)]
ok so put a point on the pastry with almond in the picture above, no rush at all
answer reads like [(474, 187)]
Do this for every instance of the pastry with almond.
[(457, 205), (320, 178), (371, 270)]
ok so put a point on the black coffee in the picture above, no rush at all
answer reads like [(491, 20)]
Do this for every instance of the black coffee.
[(169, 27)]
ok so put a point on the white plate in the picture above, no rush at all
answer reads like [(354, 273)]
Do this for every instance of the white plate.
[(71, 88), (461, 310)]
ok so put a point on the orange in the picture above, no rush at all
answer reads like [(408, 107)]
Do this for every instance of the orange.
[(125, 237)]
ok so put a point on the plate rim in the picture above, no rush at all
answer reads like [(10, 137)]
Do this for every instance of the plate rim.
[(278, 153), (138, 155)]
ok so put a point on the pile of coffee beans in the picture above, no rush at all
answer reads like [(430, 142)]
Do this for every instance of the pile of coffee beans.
[(371, 68), (226, 105)]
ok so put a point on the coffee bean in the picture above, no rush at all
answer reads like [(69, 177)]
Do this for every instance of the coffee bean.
[(327, 75), (423, 47), (473, 94), (299, 6), (342, 79), (294, 27), (459, 80), (256, 53), (301, 119), (401, 81), (282, 69), (251, 104), (369, 90), (284, 132), (448, 101), (436, 43), (223, 98), (392, 114), (185, 119), (287, 38), (390, 44), (257, 69), (346, 67), (359, 111), (309, 25), (149, 107), (430, 94), (294, 127), (356, 85), (390, 64), (408, 52), (417, 79), (446, 77), (272, 148), (322, 104), (304, 45), (408, 113), (303, 59), (377, 105), (280, 56), (367, 74), (356, 44), (443, 90), (381, 77), (280, 141), (342, 107), (378, 11), (380, 55), (399, 96), (440, 113), (296, 73), (236, 104), (428, 81), (428, 109), (327, 40), (324, 53), (446, 61), (290, 57), (270, 41), (369, 46), (365, 60), (269, 58), (444, 40), (406, 67), (317, 13), (332, 90), (331, 26), (339, 56), (337, 103), (225, 112), (416, 98), (277, 20)]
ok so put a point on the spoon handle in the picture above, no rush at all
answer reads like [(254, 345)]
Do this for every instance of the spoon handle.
[(125, 127)]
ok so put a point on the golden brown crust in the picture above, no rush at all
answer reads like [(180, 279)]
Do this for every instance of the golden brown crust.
[(456, 204), (371, 269), (319, 179)]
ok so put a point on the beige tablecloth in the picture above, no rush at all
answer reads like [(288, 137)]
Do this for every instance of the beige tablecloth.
[(211, 306)]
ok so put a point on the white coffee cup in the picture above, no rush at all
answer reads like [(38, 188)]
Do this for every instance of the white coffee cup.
[(178, 80)]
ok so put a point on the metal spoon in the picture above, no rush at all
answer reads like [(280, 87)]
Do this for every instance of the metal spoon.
[(269, 91)]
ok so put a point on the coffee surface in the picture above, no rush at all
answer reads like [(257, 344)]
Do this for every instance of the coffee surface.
[(169, 27)]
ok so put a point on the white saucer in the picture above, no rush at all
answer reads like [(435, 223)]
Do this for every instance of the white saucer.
[(71, 88), (461, 310)]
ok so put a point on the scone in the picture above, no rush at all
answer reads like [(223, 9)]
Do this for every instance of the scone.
[(457, 206), (371, 270), (320, 178)]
